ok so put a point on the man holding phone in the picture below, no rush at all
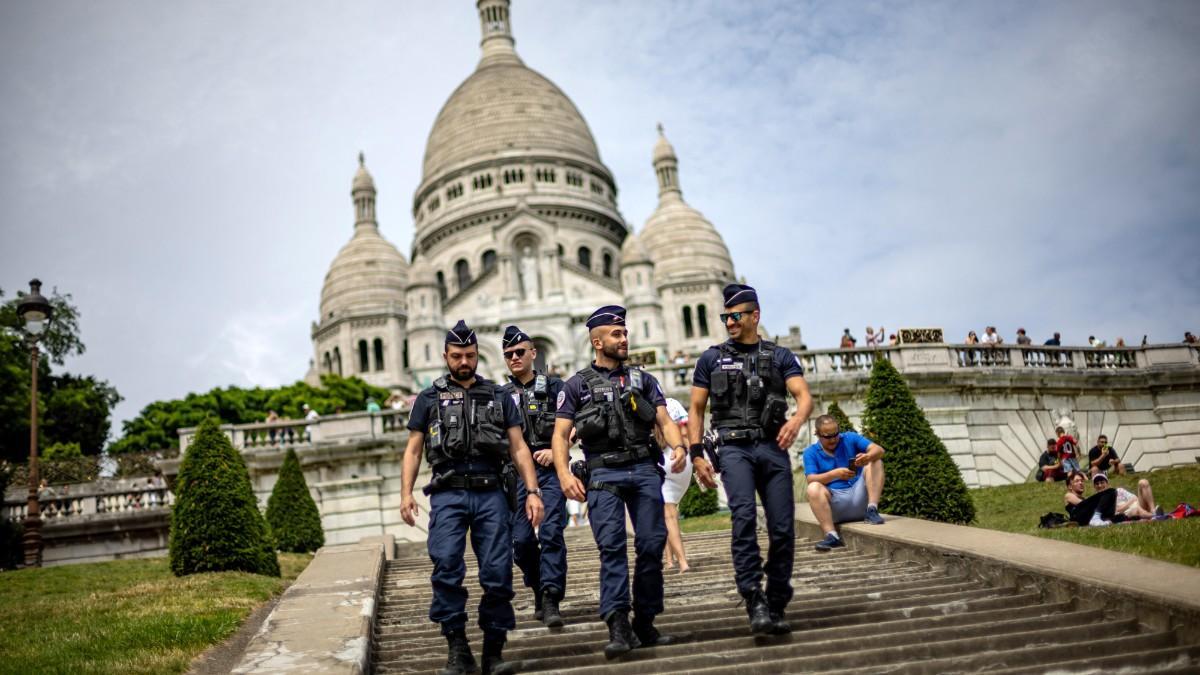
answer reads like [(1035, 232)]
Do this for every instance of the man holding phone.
[(845, 479)]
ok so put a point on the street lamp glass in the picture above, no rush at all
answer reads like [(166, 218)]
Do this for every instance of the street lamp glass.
[(35, 325)]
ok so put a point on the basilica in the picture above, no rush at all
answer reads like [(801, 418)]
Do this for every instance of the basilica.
[(516, 222)]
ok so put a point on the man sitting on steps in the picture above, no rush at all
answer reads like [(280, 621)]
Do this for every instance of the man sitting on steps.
[(835, 467)]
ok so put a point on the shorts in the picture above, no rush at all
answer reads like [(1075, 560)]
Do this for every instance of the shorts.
[(675, 484), (849, 504)]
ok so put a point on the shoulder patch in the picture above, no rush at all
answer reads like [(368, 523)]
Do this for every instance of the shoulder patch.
[(516, 398), (562, 397), (797, 360)]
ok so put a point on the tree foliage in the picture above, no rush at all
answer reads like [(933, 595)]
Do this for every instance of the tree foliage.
[(156, 427), (697, 502), (215, 522), (838, 414), (922, 479), (291, 512)]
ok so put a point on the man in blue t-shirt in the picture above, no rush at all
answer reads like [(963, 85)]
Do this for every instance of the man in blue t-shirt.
[(845, 479)]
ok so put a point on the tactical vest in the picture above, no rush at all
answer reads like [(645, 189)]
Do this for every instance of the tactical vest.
[(746, 391), (537, 408), (466, 425), (615, 418)]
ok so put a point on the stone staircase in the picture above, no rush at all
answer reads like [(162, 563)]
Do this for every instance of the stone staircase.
[(852, 612)]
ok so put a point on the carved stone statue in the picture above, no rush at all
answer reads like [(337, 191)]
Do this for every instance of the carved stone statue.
[(531, 287)]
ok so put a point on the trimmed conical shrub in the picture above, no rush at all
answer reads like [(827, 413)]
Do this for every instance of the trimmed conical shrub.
[(922, 479), (697, 502), (215, 523), (291, 512), (838, 414)]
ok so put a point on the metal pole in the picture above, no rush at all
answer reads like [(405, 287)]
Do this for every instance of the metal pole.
[(33, 517)]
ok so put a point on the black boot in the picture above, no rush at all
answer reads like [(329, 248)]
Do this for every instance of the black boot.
[(760, 614), (779, 624), (551, 615), (459, 661), (538, 605), (621, 637), (493, 662), (648, 635)]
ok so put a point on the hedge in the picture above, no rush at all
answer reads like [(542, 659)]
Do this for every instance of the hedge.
[(291, 512)]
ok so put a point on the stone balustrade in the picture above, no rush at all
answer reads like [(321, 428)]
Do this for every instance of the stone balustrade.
[(79, 501), (329, 429)]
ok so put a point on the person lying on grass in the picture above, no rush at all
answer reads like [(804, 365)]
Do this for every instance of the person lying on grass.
[(1140, 506)]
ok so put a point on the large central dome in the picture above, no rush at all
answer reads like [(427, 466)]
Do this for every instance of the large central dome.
[(505, 107)]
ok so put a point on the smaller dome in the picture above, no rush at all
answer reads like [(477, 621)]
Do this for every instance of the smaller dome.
[(632, 251), (662, 148), (421, 272), (362, 179), (368, 274)]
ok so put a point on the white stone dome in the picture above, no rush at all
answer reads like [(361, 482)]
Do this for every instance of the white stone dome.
[(421, 271), (505, 108), (362, 177), (368, 274), (632, 251), (682, 243)]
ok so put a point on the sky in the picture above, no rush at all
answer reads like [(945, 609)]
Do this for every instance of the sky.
[(183, 169)]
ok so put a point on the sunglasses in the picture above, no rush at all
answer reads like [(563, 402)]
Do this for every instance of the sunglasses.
[(515, 354), (736, 316), (830, 437)]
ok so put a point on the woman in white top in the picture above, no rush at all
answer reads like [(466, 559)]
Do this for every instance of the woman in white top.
[(673, 488)]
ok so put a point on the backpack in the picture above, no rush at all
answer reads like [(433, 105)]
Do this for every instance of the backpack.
[(1052, 520), (1184, 510)]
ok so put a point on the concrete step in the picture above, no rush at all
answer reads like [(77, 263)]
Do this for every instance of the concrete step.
[(853, 612)]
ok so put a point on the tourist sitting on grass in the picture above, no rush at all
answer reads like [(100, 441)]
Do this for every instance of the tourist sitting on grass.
[(845, 479), (1049, 467), (1134, 507), (1098, 510), (1103, 459)]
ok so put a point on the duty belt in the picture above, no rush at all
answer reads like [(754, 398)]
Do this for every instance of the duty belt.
[(609, 460), (452, 481), (617, 490), (726, 435)]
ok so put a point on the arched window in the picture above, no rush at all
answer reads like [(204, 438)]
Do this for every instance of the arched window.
[(441, 282), (364, 363), (427, 356), (337, 360), (462, 274), (702, 319), (585, 257), (328, 363), (607, 260), (406, 352), (561, 252), (489, 260), (687, 322), (639, 278), (378, 354)]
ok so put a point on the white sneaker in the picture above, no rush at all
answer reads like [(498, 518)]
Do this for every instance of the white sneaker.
[(1097, 521)]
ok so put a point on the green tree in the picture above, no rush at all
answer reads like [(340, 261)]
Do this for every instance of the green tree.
[(215, 523), (835, 411), (697, 502), (291, 512), (156, 427), (922, 479)]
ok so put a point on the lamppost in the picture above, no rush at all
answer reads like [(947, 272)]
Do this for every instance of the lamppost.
[(35, 311)]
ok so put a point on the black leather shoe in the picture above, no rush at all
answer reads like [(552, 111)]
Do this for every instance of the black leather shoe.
[(621, 637), (759, 613), (493, 662), (539, 611), (459, 661), (551, 615), (779, 625), (648, 635)]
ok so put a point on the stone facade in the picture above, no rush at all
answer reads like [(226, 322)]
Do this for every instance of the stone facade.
[(516, 222)]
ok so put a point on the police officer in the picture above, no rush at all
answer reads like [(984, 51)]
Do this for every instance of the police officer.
[(542, 557), (748, 380), (614, 410), (468, 428)]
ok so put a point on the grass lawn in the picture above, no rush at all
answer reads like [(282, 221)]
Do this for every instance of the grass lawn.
[(715, 521), (126, 616), (1017, 508)]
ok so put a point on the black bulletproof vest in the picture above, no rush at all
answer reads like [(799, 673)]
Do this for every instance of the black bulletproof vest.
[(537, 408), (614, 419), (746, 390), (468, 424)]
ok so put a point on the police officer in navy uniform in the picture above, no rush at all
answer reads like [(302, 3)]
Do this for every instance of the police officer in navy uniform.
[(614, 409), (542, 556), (748, 381), (468, 428)]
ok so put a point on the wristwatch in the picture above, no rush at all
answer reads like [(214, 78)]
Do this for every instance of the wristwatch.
[(535, 491), (697, 451)]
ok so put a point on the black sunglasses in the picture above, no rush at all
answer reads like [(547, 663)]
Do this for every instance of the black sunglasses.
[(736, 316), (515, 354), (830, 436)]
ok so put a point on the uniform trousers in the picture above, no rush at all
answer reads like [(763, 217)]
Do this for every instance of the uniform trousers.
[(542, 556), (761, 468), (485, 516), (638, 487)]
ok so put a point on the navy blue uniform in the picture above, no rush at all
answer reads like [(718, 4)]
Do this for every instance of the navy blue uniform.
[(750, 467), (542, 557), (454, 512), (640, 485)]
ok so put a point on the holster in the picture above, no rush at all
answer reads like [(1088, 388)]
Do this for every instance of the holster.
[(508, 482)]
